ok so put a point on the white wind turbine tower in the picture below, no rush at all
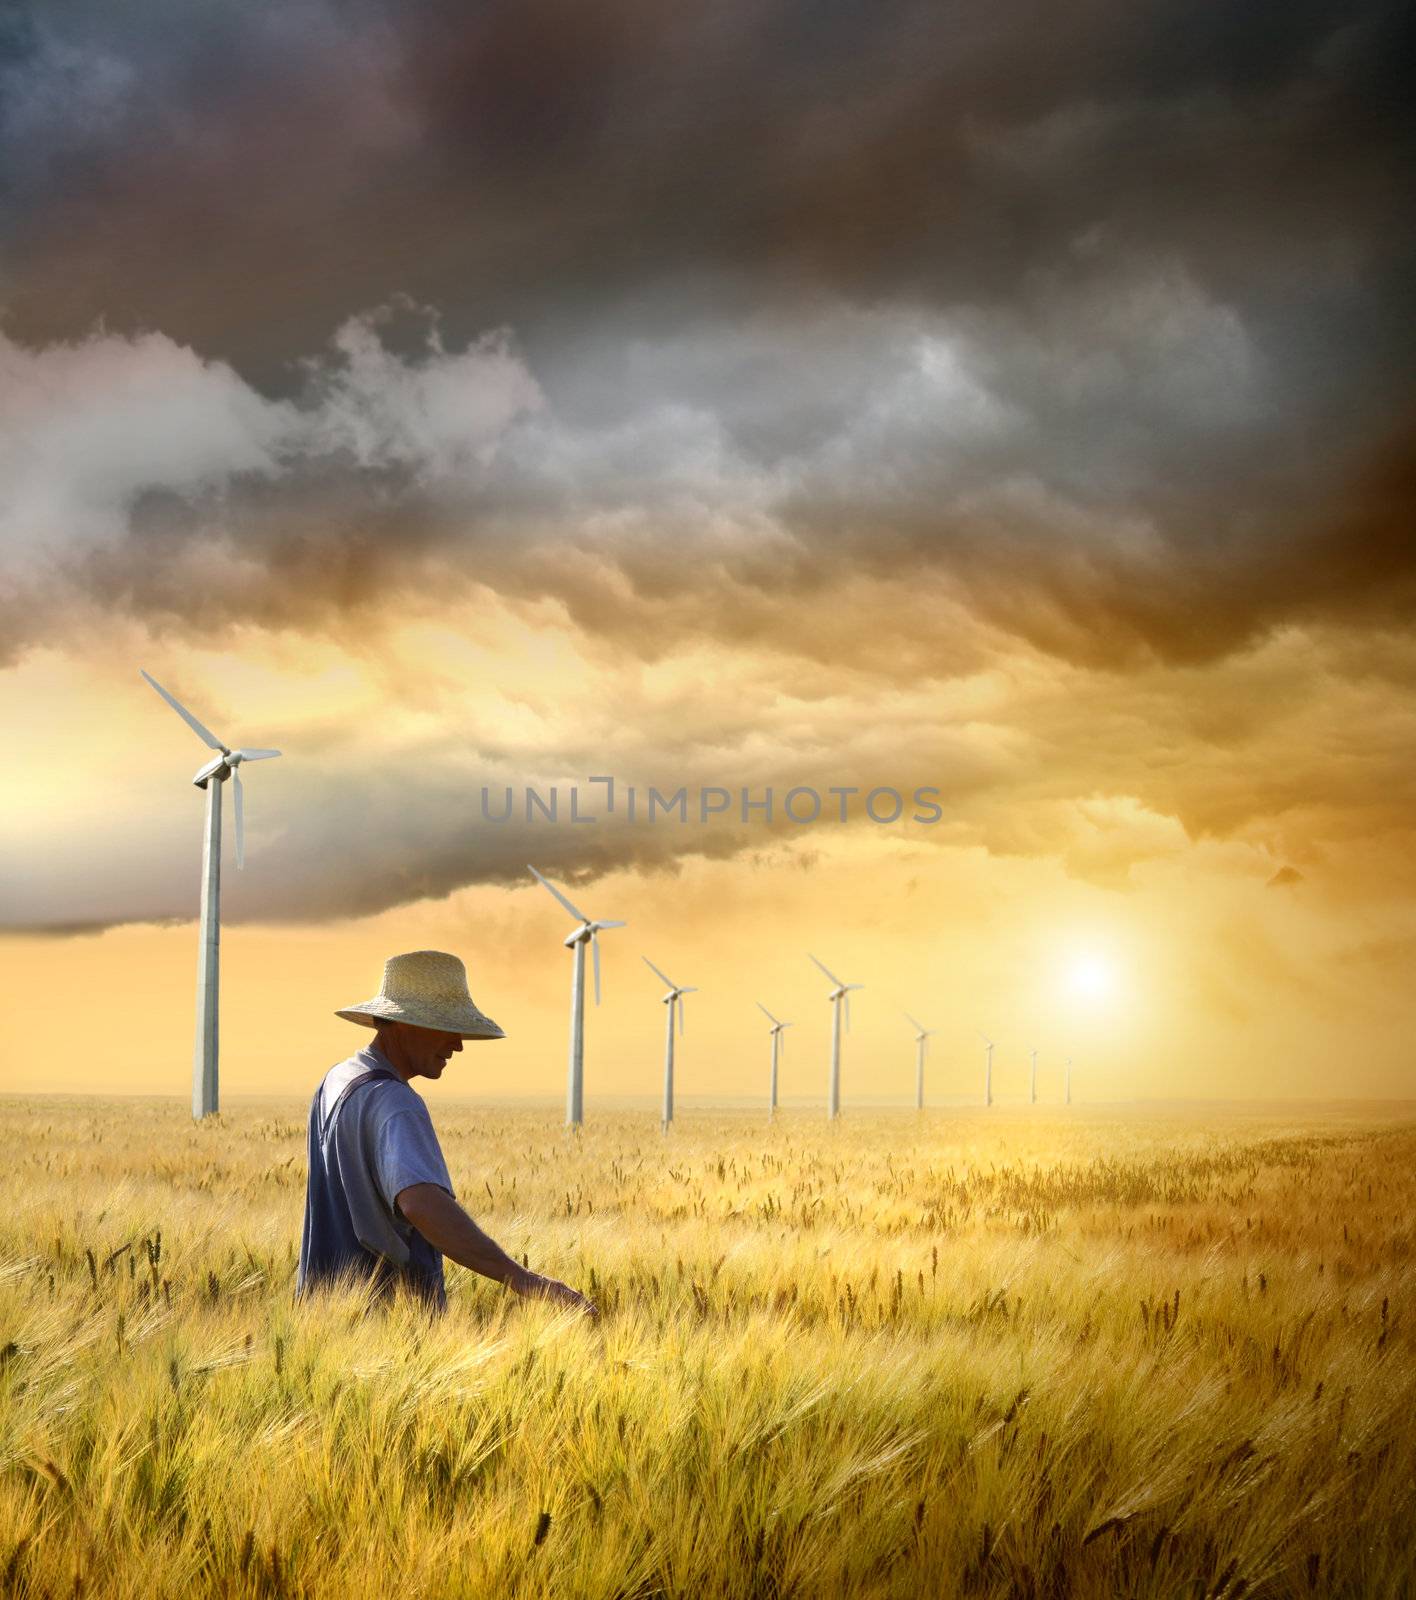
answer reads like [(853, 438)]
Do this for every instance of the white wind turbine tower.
[(587, 933), (1033, 1089), (673, 998), (778, 1043), (921, 1034), (839, 995), (988, 1072), (211, 777)]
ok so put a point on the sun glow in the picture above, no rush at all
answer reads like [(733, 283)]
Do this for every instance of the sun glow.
[(1090, 977)]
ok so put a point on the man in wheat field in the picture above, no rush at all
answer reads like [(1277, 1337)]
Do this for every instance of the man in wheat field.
[(380, 1202)]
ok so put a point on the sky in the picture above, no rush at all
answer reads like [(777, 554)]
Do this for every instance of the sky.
[(875, 397)]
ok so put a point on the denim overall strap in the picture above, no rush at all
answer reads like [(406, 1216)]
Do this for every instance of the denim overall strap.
[(344, 1093)]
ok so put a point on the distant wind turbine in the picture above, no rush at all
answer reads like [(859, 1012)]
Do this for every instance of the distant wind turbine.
[(211, 777), (841, 994), (1033, 1090), (988, 1072), (587, 933), (673, 998), (778, 1044), (1068, 1100), (921, 1034)]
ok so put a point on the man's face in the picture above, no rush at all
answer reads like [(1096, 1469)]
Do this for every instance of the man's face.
[(419, 1052)]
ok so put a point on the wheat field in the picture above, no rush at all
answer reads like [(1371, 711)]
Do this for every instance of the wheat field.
[(1026, 1352)]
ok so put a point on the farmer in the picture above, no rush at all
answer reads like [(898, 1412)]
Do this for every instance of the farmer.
[(380, 1201)]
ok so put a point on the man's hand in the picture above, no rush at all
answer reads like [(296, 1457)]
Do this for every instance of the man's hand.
[(536, 1287), (447, 1227)]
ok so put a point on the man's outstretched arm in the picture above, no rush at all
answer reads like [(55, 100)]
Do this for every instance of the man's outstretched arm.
[(447, 1227)]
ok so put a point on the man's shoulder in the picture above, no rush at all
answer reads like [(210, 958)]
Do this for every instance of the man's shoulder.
[(390, 1095), (380, 1098)]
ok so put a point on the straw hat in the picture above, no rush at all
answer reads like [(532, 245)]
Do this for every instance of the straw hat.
[(426, 989)]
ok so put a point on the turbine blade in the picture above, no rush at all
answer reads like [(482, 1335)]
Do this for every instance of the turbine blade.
[(574, 911), (917, 1026), (831, 975), (668, 982), (202, 733), (240, 793), (682, 992), (611, 924), (257, 755), (689, 988), (847, 998), (595, 953), (766, 1013)]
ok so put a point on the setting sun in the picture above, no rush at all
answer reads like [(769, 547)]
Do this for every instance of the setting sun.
[(1090, 977)]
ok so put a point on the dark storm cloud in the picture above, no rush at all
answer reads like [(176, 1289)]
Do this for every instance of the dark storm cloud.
[(830, 485), (880, 339), (1113, 465), (244, 179)]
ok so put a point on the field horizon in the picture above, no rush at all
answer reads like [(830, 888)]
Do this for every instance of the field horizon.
[(1358, 1105)]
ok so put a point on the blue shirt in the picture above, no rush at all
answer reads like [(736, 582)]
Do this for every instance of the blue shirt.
[(370, 1137)]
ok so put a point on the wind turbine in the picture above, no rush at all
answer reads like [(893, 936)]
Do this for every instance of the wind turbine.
[(674, 997), (1068, 1100), (778, 1044), (1033, 1090), (587, 933), (222, 766), (921, 1034), (841, 993), (988, 1072)]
